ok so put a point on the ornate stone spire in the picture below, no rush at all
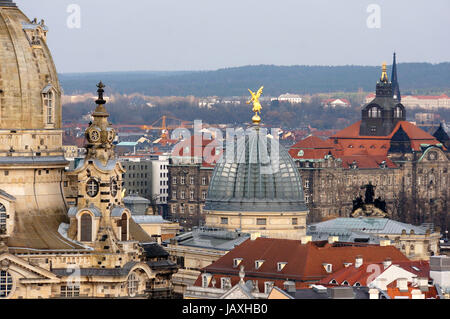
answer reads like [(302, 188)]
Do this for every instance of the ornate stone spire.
[(100, 134)]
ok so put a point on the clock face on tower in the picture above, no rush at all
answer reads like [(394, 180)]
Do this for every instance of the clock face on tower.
[(94, 135)]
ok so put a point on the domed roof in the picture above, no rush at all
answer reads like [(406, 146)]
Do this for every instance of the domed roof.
[(27, 72), (260, 177)]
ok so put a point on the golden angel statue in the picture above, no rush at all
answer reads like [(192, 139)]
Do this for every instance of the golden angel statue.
[(256, 105)]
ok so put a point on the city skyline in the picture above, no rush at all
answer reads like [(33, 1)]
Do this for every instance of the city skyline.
[(200, 35)]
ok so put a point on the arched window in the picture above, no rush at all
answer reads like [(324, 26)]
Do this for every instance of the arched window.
[(124, 226), (132, 284), (374, 112), (3, 217), (345, 283), (86, 227), (357, 284), (6, 284), (333, 282), (398, 112)]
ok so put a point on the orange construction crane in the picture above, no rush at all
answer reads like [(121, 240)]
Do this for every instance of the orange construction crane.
[(164, 128)]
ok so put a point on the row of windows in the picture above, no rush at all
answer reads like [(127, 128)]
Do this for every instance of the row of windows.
[(190, 209), (191, 195), (191, 180), (259, 221)]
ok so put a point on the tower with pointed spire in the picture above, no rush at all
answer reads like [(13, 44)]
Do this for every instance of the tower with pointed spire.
[(380, 116), (394, 79)]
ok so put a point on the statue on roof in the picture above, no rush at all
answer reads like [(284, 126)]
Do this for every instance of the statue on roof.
[(256, 105), (370, 192)]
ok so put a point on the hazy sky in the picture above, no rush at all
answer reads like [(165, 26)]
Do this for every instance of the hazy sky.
[(128, 35)]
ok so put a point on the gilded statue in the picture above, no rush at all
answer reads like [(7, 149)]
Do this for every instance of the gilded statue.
[(256, 105)]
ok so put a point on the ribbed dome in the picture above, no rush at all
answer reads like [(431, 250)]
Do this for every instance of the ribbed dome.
[(257, 179), (27, 72)]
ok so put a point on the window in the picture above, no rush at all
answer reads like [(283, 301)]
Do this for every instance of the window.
[(174, 194), (174, 209), (183, 195), (294, 221), (114, 188), (124, 227), (281, 265), (191, 210), (3, 218), (204, 195), (398, 112), (345, 283), (374, 112), (174, 180), (86, 227), (191, 195), (268, 285), (236, 262), (92, 187), (49, 106), (182, 180), (6, 284), (203, 180), (70, 291), (261, 221), (224, 220), (133, 285), (191, 180)]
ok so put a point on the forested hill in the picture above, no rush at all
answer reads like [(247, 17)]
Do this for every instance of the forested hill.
[(423, 78)]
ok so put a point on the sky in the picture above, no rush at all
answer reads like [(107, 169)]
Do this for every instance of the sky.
[(175, 35)]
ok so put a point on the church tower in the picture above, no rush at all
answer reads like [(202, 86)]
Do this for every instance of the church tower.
[(95, 186), (394, 79), (380, 116)]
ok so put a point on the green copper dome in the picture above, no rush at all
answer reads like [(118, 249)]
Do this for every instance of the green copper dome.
[(261, 177)]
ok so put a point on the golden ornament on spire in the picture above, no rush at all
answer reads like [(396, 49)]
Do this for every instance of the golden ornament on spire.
[(256, 105), (384, 77)]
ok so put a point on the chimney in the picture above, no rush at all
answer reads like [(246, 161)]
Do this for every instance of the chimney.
[(374, 293), (289, 286), (358, 261), (333, 239), (422, 283), (306, 239), (385, 242), (387, 262), (402, 284), (417, 294)]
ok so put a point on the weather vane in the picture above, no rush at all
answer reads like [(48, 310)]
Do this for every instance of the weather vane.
[(256, 105)]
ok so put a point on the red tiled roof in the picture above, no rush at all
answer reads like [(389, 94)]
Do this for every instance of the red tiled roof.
[(393, 291), (304, 261), (352, 275), (196, 146)]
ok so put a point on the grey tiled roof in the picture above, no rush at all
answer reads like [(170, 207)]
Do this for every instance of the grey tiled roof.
[(115, 272), (73, 211), (117, 211), (30, 160), (370, 225)]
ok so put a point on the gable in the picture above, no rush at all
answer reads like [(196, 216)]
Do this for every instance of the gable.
[(24, 271)]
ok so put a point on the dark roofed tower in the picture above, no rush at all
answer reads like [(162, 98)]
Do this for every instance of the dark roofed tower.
[(380, 116), (394, 79), (442, 136)]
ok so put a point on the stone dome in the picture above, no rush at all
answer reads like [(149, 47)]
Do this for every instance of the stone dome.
[(257, 179), (27, 73)]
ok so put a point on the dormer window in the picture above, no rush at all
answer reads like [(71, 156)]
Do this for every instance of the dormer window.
[(328, 268), (281, 265), (345, 283), (237, 262), (268, 285), (48, 101), (258, 264)]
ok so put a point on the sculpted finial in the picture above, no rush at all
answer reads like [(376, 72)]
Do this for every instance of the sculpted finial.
[(256, 105)]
